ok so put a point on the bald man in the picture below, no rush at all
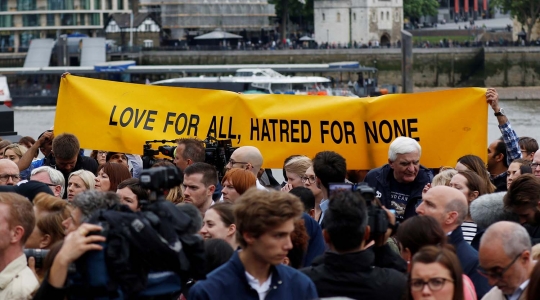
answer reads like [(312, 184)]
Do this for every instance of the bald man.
[(249, 158), (9, 172), (449, 207), (506, 246)]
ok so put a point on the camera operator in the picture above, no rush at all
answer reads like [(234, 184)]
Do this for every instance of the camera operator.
[(17, 221), (347, 232), (75, 245)]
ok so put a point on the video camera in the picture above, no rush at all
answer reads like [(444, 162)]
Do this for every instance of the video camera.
[(149, 154), (38, 255), (218, 153), (377, 218)]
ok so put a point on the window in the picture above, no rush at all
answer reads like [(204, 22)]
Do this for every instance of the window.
[(3, 5), (66, 19), (354, 16), (82, 20), (85, 4), (97, 4), (50, 20), (93, 19), (147, 27), (323, 16), (30, 20), (338, 17), (6, 21), (387, 16), (26, 5), (382, 15), (120, 4)]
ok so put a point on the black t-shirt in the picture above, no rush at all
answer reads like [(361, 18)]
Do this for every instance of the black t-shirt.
[(399, 195)]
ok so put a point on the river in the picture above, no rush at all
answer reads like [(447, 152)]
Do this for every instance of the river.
[(523, 114)]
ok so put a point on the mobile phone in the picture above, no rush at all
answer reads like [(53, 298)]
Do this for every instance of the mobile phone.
[(339, 187)]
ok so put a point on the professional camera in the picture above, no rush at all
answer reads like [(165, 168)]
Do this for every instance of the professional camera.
[(377, 218), (160, 178), (38, 255), (218, 153), (149, 154)]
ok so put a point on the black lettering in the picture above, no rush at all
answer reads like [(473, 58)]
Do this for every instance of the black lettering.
[(273, 122), (338, 125), (397, 129), (283, 130), (294, 130), (212, 128), (220, 134), (149, 119), (181, 131), (230, 135), (349, 131), (111, 122), (323, 131), (168, 121), (193, 123), (371, 132), (385, 122), (305, 124), (265, 132), (412, 129), (137, 119), (254, 127), (122, 123)]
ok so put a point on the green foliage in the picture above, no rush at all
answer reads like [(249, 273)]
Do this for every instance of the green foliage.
[(414, 9), (298, 13), (527, 12)]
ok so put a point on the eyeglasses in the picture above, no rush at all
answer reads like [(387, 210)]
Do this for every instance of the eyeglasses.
[(499, 273), (51, 184), (310, 179), (102, 153), (434, 284), (6, 177), (534, 165), (232, 162)]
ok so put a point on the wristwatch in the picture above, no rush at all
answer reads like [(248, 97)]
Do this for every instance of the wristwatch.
[(500, 113)]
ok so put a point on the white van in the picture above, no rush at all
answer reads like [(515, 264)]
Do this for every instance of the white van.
[(5, 95)]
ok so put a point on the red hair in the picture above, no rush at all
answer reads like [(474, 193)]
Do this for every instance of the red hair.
[(241, 179)]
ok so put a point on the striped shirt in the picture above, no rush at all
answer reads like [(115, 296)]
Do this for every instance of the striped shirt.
[(469, 231)]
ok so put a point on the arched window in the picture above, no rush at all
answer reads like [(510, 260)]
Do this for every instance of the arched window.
[(354, 16), (382, 15), (338, 17), (387, 15), (323, 16)]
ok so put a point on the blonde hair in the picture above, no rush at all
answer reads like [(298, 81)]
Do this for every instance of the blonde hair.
[(444, 177), (87, 177), (535, 252), (298, 165), (19, 150)]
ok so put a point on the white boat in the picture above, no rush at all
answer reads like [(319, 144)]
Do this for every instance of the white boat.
[(262, 80)]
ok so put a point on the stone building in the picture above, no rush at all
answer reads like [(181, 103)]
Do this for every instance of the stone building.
[(517, 28), (361, 21), (146, 30)]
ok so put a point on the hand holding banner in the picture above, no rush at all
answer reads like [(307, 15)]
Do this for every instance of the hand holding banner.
[(120, 117)]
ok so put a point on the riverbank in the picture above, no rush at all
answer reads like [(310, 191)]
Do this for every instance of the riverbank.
[(505, 93)]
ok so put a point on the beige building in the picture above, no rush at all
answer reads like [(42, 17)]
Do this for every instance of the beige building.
[(24, 20), (361, 21), (517, 29)]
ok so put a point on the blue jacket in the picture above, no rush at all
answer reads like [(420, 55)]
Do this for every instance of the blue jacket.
[(468, 257), (316, 244), (229, 282), (379, 180)]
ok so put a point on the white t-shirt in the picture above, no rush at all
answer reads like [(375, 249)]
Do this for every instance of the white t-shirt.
[(262, 289)]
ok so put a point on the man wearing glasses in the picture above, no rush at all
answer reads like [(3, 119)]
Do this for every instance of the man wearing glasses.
[(52, 178), (9, 172), (248, 158), (506, 261)]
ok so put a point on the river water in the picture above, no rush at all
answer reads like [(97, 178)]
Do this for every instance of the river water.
[(523, 114)]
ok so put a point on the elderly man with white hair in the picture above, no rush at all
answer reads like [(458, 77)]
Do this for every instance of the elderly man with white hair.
[(51, 177), (400, 182), (506, 261), (9, 172)]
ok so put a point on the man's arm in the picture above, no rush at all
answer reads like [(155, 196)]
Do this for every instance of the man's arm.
[(29, 155), (510, 137)]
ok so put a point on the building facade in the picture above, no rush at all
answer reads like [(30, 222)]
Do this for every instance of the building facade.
[(375, 22), (193, 17), (145, 31), (24, 20)]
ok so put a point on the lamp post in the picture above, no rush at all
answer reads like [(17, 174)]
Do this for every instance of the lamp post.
[(327, 36)]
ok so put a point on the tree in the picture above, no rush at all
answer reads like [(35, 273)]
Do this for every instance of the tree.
[(415, 9), (293, 10), (527, 12)]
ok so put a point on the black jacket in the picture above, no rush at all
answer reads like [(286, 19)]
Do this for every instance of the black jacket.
[(468, 257), (353, 275), (534, 233), (83, 163), (379, 179)]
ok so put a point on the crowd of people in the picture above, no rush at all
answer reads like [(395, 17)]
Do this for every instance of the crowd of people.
[(467, 231)]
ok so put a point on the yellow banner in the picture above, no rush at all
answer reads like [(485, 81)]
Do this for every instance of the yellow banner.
[(120, 117)]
